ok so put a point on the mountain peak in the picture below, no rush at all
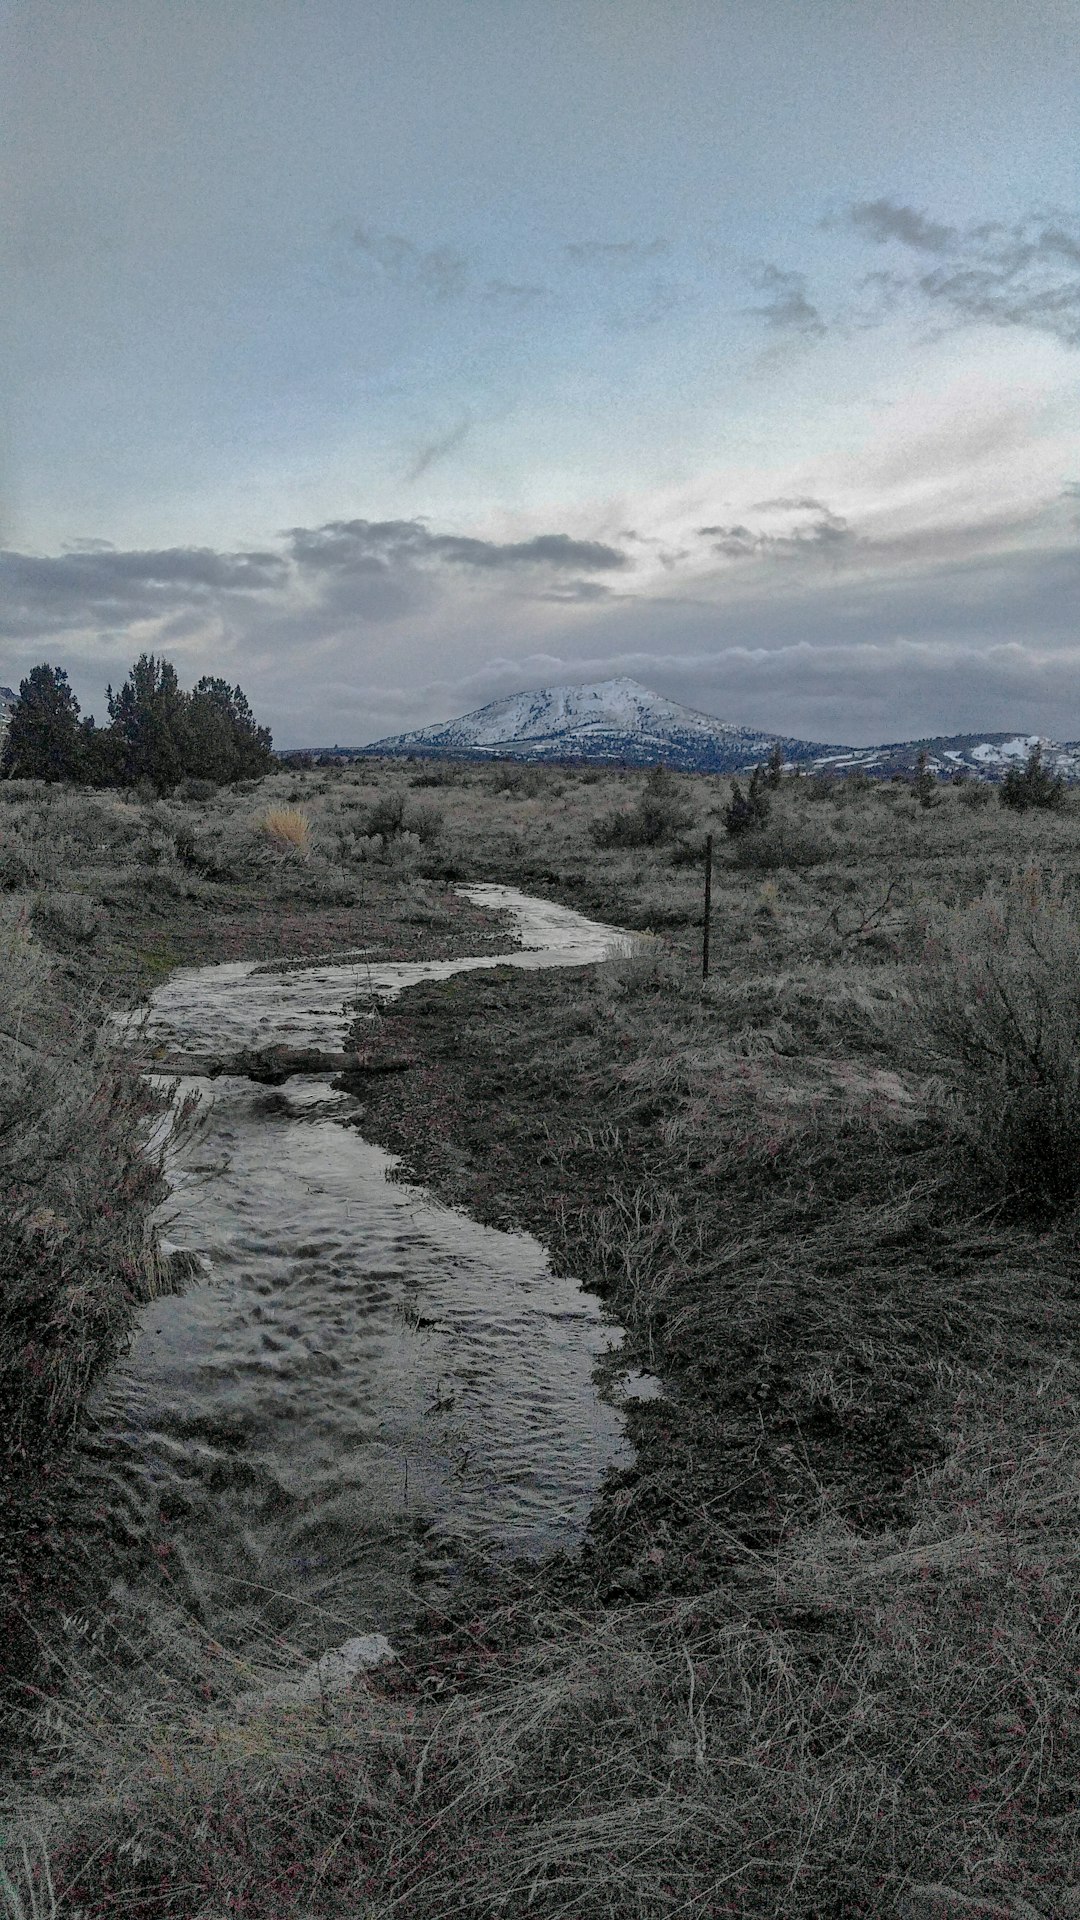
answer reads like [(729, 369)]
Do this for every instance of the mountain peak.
[(604, 720)]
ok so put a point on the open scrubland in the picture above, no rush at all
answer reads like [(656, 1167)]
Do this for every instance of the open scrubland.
[(819, 1656)]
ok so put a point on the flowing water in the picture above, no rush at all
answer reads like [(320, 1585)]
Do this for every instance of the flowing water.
[(361, 1375)]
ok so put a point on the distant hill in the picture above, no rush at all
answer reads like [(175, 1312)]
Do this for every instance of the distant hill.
[(611, 721), (987, 754)]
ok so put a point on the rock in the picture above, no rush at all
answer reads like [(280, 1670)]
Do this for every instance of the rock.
[(332, 1674)]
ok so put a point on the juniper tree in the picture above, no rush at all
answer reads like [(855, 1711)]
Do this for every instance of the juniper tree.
[(43, 736), (1035, 787)]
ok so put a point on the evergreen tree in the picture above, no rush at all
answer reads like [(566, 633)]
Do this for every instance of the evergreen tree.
[(747, 812), (223, 741), (43, 736), (775, 769), (100, 756), (926, 786), (1035, 787), (149, 714)]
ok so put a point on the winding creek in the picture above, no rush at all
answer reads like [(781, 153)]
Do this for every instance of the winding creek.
[(361, 1376)]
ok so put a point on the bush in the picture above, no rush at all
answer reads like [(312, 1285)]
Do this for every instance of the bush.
[(659, 813), (510, 777), (449, 775), (747, 812), (392, 815), (975, 793), (67, 917), (998, 1008), (781, 843)]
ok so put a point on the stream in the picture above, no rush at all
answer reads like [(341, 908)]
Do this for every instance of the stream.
[(361, 1377)]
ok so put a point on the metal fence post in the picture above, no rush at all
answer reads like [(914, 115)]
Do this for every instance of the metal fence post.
[(708, 908)]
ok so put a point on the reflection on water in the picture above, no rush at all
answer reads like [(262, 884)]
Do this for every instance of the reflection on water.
[(362, 1372)]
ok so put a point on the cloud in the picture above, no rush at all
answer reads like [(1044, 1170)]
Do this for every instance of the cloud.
[(927, 626), (94, 582), (1020, 274), (366, 544), (437, 271), (438, 450), (787, 309), (825, 531), (887, 220), (614, 252), (325, 581), (577, 592)]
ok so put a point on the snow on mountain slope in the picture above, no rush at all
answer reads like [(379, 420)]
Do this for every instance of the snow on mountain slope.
[(608, 720), (989, 755), (621, 721)]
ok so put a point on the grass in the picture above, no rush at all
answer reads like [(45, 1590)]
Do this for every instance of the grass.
[(818, 1657), (287, 829)]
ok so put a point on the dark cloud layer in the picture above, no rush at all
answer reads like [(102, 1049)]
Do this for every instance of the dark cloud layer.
[(364, 544), (364, 566), (96, 583)]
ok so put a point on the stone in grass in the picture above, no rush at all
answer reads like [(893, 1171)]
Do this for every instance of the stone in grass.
[(332, 1674)]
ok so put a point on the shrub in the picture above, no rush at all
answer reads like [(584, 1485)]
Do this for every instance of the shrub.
[(392, 816), (747, 812), (510, 777), (1035, 787), (998, 1006), (975, 793), (67, 917), (438, 776), (195, 789), (659, 813), (780, 843), (287, 830)]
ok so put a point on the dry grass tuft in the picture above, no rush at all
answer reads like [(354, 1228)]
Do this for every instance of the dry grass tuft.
[(288, 829)]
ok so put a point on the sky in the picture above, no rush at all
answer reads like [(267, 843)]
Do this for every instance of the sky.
[(388, 359)]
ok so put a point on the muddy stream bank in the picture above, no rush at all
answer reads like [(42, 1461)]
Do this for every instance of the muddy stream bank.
[(360, 1377)]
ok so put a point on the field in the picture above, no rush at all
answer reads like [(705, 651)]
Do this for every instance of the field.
[(819, 1656)]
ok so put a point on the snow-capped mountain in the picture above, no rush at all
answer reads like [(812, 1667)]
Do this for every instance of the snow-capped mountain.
[(611, 720), (8, 699), (621, 721)]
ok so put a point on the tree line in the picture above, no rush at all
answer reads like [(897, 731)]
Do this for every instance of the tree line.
[(157, 734)]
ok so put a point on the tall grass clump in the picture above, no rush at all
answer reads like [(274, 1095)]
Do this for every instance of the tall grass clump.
[(76, 1254), (997, 996), (287, 829)]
